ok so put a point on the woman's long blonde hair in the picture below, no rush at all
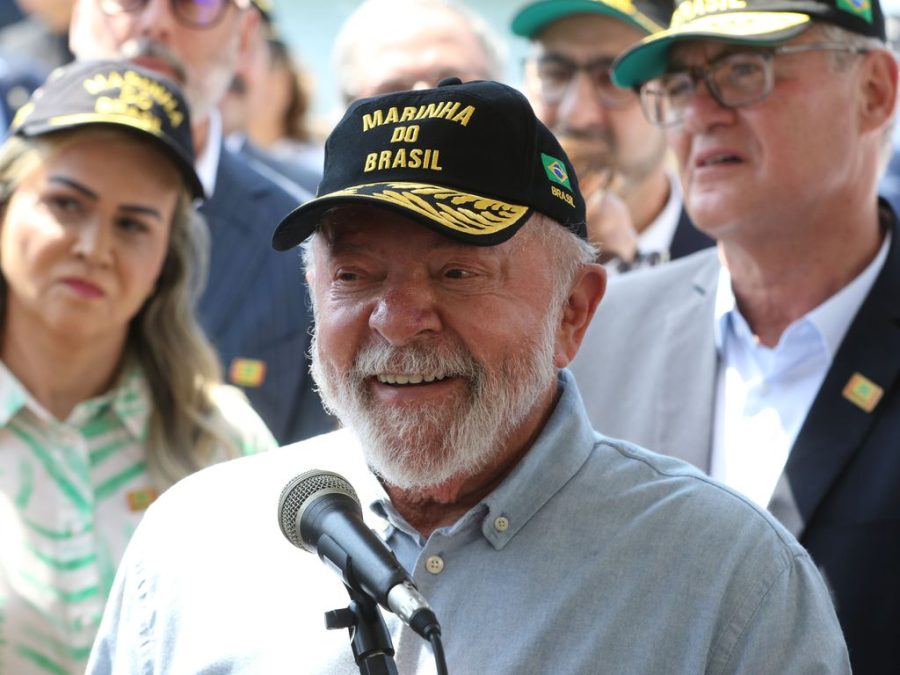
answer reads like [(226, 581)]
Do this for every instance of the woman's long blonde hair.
[(185, 430)]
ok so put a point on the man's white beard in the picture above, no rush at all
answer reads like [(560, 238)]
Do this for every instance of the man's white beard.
[(424, 444)]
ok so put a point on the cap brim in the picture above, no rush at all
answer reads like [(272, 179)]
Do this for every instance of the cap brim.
[(469, 218), (649, 58), (532, 19), (127, 124)]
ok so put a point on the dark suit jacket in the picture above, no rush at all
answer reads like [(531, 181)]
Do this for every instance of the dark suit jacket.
[(255, 306), (647, 372), (687, 238)]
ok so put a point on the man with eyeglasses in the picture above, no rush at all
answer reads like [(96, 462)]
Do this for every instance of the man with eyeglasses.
[(773, 362), (251, 307), (612, 145), (375, 53)]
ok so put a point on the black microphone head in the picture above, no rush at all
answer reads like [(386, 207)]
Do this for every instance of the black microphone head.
[(300, 492)]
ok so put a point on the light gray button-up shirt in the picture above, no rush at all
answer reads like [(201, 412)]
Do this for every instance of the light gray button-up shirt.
[(592, 556)]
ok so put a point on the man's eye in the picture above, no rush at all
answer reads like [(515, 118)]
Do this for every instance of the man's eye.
[(457, 273)]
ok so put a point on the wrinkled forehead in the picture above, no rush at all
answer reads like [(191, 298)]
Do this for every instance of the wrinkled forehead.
[(698, 52)]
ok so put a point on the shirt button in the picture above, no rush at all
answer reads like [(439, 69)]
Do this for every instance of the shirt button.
[(435, 564), (501, 524)]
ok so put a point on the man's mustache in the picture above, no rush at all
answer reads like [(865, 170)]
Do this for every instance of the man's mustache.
[(143, 48)]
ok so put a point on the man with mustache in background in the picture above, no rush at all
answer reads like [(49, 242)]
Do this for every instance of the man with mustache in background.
[(252, 308), (602, 127)]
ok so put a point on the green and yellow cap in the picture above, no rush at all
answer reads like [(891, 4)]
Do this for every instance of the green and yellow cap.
[(470, 161), (114, 94), (750, 22), (533, 18)]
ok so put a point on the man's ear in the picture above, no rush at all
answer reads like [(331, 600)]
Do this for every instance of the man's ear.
[(248, 35), (879, 89), (587, 291)]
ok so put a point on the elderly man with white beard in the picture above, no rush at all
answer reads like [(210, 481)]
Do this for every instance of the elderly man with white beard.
[(452, 284)]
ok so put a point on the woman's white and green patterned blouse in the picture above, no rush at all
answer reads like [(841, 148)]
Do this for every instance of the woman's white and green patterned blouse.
[(71, 494)]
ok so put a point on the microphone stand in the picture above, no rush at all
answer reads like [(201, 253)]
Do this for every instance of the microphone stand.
[(369, 638)]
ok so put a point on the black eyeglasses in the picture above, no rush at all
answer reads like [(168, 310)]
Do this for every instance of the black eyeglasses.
[(191, 13), (555, 74), (734, 80)]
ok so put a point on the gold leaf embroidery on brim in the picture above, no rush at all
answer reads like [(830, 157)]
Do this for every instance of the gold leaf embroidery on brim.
[(461, 211)]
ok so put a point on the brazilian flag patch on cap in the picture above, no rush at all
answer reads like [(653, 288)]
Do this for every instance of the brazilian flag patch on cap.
[(556, 171), (860, 8)]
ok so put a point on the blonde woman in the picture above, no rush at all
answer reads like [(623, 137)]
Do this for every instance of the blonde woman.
[(109, 392)]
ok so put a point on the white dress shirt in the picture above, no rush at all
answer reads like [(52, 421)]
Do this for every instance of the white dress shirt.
[(763, 394)]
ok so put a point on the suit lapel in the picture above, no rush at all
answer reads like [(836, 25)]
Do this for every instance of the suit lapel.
[(836, 428), (238, 245), (687, 238), (685, 399)]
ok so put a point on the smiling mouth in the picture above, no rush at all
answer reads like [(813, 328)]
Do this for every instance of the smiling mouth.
[(385, 378)]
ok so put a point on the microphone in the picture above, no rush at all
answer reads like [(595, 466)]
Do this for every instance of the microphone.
[(319, 512)]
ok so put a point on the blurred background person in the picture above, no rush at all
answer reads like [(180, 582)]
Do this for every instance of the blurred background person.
[(42, 35), (252, 309), (109, 391), (281, 122), (392, 45), (29, 49), (602, 127), (260, 98)]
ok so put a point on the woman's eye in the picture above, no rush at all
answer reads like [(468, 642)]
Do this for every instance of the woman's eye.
[(131, 225), (63, 204)]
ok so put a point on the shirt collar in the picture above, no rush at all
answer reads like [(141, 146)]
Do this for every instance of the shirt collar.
[(657, 236), (832, 318), (129, 400), (13, 396), (207, 162), (560, 450)]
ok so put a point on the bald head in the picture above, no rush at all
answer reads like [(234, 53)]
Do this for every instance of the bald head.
[(392, 45)]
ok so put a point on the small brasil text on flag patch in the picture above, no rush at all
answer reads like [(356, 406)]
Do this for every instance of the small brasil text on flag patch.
[(247, 372), (862, 392), (556, 170), (861, 8)]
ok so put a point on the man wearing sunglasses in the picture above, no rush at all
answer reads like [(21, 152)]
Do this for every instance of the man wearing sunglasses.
[(251, 308), (773, 362), (601, 126)]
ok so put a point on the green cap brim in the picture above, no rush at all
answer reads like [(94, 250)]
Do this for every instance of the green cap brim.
[(649, 58), (531, 20)]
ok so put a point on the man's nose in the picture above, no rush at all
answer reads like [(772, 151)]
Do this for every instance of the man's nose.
[(404, 312), (579, 107), (154, 20), (702, 111)]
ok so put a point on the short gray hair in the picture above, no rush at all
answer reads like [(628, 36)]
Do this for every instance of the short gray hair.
[(841, 61)]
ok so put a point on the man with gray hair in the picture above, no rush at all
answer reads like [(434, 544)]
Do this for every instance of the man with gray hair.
[(392, 45), (452, 283), (773, 362)]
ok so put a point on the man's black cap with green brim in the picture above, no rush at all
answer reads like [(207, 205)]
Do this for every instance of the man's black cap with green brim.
[(748, 22), (535, 17), (119, 95), (469, 161)]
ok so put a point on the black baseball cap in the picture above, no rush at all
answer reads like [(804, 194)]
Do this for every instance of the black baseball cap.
[(644, 16), (750, 22), (470, 161), (114, 94)]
